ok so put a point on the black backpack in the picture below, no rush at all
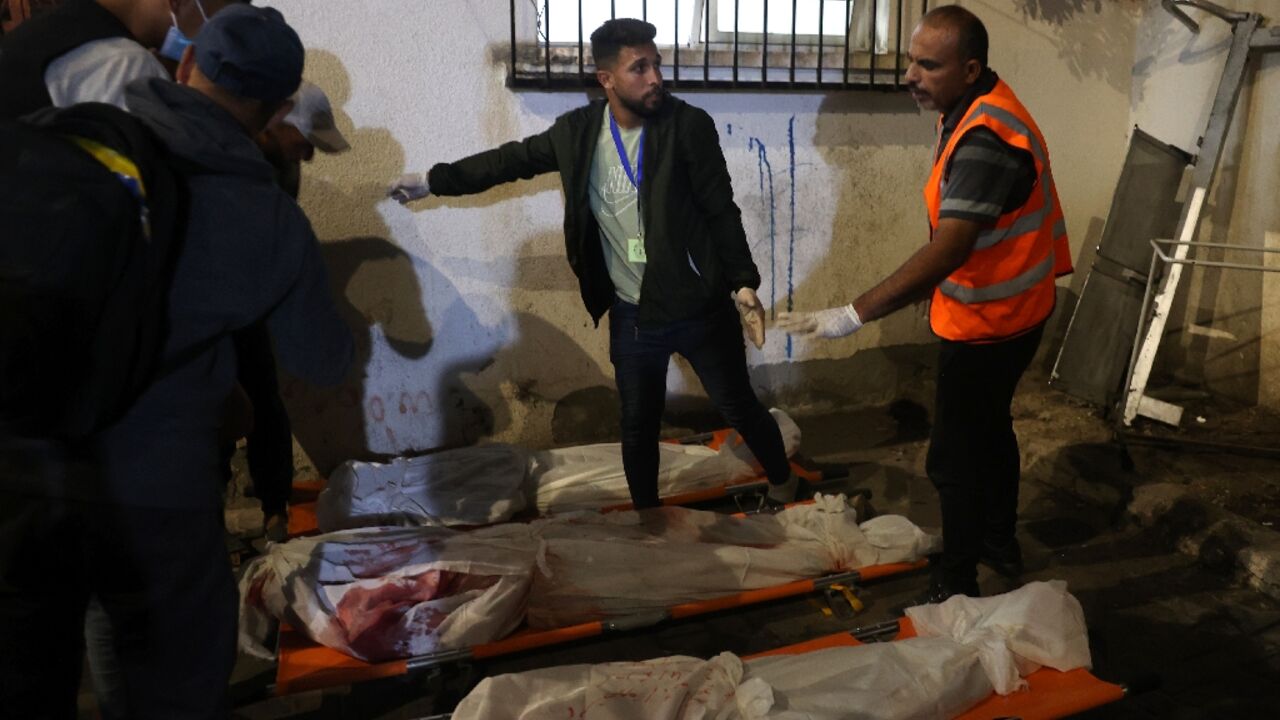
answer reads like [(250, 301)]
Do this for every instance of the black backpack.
[(90, 210)]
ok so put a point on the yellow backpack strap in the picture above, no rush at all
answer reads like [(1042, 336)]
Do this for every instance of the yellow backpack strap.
[(125, 170)]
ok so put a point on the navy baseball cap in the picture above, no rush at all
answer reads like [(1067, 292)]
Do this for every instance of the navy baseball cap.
[(251, 52)]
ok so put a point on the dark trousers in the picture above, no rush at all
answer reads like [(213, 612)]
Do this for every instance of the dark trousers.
[(714, 346), (973, 453), (162, 578), (269, 447)]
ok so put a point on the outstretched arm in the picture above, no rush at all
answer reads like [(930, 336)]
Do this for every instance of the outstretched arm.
[(516, 160), (952, 243), (914, 280)]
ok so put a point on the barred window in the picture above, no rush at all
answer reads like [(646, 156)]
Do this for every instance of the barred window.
[(733, 44)]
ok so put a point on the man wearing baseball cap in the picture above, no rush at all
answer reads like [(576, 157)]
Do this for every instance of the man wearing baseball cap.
[(286, 144), (144, 533)]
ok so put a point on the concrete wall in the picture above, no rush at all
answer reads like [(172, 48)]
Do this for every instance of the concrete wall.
[(469, 319), (1222, 335)]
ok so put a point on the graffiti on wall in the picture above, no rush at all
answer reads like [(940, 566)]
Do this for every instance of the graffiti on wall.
[(769, 202)]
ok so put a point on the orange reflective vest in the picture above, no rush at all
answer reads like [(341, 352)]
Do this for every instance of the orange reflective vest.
[(1006, 287)]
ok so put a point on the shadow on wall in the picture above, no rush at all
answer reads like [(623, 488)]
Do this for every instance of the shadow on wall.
[(869, 143), (1159, 34), (585, 400), (859, 137), (1094, 39), (543, 377), (376, 286)]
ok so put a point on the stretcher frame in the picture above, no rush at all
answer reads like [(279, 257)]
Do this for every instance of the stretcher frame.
[(304, 665), (303, 521), (1050, 694)]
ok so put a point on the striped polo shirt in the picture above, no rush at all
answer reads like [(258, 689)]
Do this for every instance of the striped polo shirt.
[(987, 177)]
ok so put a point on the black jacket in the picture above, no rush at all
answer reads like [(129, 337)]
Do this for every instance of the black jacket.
[(686, 198), (28, 50)]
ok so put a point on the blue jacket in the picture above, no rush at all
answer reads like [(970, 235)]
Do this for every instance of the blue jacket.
[(248, 253)]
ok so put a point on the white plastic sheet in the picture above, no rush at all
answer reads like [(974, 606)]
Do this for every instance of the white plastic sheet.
[(1040, 624), (670, 687), (394, 592), (468, 486), (491, 483), (391, 592), (600, 566), (924, 677), (591, 476)]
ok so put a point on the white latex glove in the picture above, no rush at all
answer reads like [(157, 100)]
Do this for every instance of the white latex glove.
[(410, 187), (752, 313), (830, 323)]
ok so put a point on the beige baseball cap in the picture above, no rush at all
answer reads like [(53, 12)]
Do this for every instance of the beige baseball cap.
[(313, 116)]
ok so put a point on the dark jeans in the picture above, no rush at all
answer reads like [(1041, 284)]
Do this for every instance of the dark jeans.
[(973, 453), (269, 447), (161, 576), (713, 345)]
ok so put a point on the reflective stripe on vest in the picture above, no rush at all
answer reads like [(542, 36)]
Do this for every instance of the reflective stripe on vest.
[(1006, 286)]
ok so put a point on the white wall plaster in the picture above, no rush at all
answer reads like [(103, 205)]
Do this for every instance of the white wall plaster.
[(468, 314)]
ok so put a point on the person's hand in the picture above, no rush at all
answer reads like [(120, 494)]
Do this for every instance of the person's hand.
[(752, 313), (830, 323), (410, 187)]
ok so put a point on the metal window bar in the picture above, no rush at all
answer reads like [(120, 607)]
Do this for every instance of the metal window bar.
[(897, 55), (848, 29), (736, 49), (793, 43), (860, 67), (675, 36), (764, 48), (871, 30), (822, 15), (514, 59), (706, 49)]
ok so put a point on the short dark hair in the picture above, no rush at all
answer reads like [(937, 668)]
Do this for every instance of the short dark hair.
[(971, 34), (609, 39)]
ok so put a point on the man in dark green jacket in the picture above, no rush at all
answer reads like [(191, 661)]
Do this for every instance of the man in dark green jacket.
[(654, 236)]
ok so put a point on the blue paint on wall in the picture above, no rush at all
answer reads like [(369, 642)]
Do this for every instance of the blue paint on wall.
[(791, 238), (765, 169)]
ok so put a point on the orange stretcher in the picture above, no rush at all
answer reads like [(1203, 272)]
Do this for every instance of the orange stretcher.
[(302, 507), (304, 665), (1052, 694)]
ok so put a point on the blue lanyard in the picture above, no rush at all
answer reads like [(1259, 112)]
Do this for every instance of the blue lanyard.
[(638, 175)]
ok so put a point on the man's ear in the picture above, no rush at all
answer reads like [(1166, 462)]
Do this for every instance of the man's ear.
[(972, 70), (279, 115), (186, 65), (605, 78)]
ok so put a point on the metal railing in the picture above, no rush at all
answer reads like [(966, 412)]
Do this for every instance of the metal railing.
[(713, 59)]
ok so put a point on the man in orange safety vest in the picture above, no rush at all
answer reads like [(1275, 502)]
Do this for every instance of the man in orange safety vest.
[(997, 241)]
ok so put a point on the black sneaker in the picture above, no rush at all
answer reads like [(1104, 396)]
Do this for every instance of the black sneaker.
[(1004, 558)]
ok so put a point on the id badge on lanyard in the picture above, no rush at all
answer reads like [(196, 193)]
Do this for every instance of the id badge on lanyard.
[(635, 245)]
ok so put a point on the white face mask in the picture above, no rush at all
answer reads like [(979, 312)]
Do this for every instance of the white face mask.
[(175, 43)]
